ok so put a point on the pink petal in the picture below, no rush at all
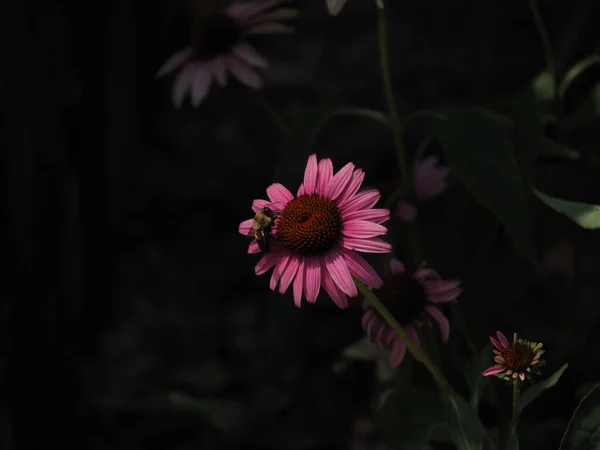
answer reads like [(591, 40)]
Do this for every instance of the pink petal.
[(499, 359), (371, 245), (248, 54), (324, 176), (266, 262), (279, 195), (502, 339), (425, 273), (440, 286), (201, 84), (445, 297), (398, 352), (362, 229), (183, 83), (245, 227), (361, 269), (355, 182), (493, 371), (441, 319), (175, 61), (312, 278), (253, 248), (397, 267), (259, 204), (406, 211), (270, 28), (219, 71), (298, 283), (373, 215), (301, 190), (310, 175), (429, 180), (278, 270), (290, 271), (339, 272), (339, 182), (496, 344), (243, 73), (333, 290), (362, 200), (412, 333), (366, 318)]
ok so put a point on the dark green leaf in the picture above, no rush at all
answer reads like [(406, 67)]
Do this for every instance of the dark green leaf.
[(301, 142), (512, 439), (475, 380), (481, 154), (583, 431), (464, 427), (577, 69), (583, 214), (527, 131), (538, 389), (588, 112), (225, 415)]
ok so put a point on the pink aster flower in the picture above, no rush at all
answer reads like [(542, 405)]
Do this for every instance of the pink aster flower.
[(218, 46), (318, 233), (514, 360), (413, 301), (429, 181)]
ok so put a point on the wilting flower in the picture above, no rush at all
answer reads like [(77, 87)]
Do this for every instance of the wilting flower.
[(318, 232), (218, 45), (412, 300), (429, 181), (514, 360)]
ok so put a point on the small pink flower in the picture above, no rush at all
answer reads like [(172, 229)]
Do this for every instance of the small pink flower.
[(218, 46), (429, 181), (318, 233), (413, 302), (514, 360)]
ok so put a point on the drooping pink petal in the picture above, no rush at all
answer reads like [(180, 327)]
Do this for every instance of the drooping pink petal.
[(362, 229), (243, 73), (270, 28), (259, 204), (312, 278), (371, 245), (333, 290), (289, 272), (502, 339), (440, 286), (441, 319), (175, 61), (372, 215), (201, 84), (362, 200), (338, 270), (339, 182), (398, 352), (183, 83), (444, 297), (397, 267), (366, 318), (406, 211), (266, 262), (279, 194), (353, 186), (361, 269), (298, 284), (254, 248), (493, 371), (279, 268), (325, 174), (496, 344), (246, 226), (310, 175), (425, 273), (248, 54), (412, 333)]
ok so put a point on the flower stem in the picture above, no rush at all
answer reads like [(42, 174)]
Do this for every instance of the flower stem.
[(515, 403), (272, 113), (438, 376)]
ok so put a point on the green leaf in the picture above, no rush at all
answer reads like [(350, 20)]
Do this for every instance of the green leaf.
[(301, 142), (538, 389), (583, 214), (481, 154), (410, 417), (577, 69), (225, 415), (583, 431), (527, 131), (464, 427), (475, 380)]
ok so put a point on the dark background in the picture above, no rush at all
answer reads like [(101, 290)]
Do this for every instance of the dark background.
[(126, 277)]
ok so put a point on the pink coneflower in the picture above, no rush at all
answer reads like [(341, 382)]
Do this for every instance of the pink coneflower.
[(218, 45), (413, 302), (318, 232), (429, 181), (514, 360)]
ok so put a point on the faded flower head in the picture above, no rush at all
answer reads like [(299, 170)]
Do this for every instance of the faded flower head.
[(413, 301), (514, 360), (429, 181), (317, 233), (218, 46)]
